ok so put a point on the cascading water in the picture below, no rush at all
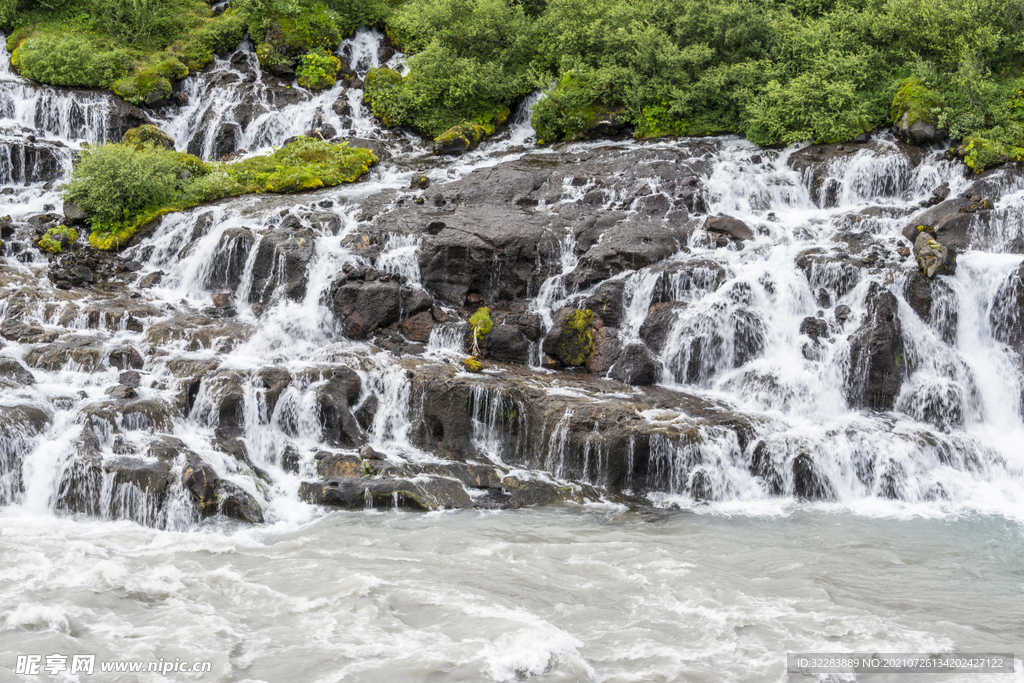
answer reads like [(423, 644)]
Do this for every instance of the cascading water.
[(265, 351)]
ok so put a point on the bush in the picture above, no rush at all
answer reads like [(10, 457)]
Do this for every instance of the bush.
[(114, 183), (318, 69), (68, 59)]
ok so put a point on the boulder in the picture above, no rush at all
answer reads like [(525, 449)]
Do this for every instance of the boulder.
[(734, 228), (933, 257), (364, 307), (878, 364), (635, 365), (282, 257), (334, 399)]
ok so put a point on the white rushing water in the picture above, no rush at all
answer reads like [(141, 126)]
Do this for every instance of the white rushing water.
[(922, 554)]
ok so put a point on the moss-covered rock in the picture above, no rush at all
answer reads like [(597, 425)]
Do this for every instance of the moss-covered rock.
[(318, 69), (147, 134), (472, 365), (272, 60), (915, 111), (467, 135), (58, 239), (576, 342)]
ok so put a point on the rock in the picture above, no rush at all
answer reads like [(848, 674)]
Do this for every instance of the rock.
[(125, 357), (878, 363), (151, 280), (334, 400), (630, 244), (607, 349), (14, 373), (507, 344), (364, 307), (659, 323), (572, 339), (606, 302), (82, 353), (934, 258), (73, 215), (131, 379), (726, 225), (815, 328), (419, 182), (338, 466), (200, 480), (229, 259), (921, 133), (367, 453), (1007, 315), (282, 258), (808, 483), (223, 300), (636, 366), (235, 502), (120, 392), (16, 330), (418, 327), (472, 365), (80, 275), (842, 313)]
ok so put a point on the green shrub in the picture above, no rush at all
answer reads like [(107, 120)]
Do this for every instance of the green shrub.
[(481, 322), (114, 183), (123, 186), (69, 59), (318, 69)]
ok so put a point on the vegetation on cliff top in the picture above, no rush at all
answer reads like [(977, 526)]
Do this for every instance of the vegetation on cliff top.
[(775, 71), (123, 186)]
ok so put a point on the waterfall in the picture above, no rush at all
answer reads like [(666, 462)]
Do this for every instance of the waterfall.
[(258, 374)]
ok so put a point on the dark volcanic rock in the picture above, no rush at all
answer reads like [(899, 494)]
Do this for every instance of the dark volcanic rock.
[(727, 225), (282, 257), (878, 363), (363, 307)]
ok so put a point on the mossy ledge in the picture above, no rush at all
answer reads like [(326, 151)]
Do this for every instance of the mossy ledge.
[(123, 187)]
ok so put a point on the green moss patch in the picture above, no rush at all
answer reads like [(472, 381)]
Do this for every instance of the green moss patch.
[(58, 239), (121, 187), (576, 343), (914, 102)]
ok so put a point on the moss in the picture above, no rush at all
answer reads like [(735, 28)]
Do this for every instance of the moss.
[(304, 164), (481, 322), (113, 238), (58, 239), (915, 102), (472, 365), (149, 83), (147, 134), (576, 343)]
